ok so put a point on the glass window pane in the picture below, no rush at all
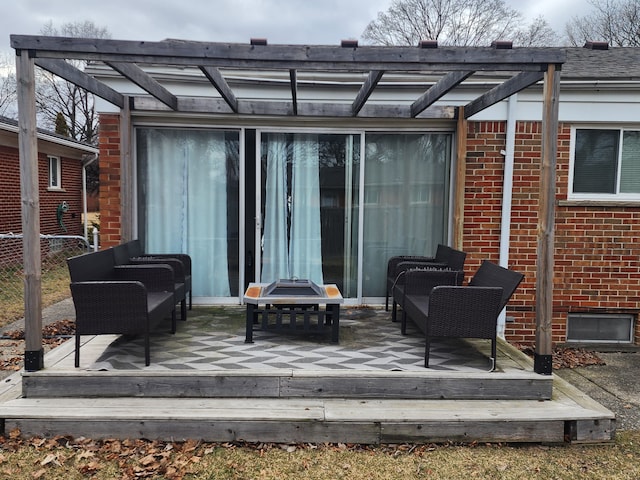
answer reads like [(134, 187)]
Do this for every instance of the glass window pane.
[(406, 200), (630, 169), (596, 158)]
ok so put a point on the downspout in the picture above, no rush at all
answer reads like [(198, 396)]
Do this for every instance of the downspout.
[(85, 164), (507, 192)]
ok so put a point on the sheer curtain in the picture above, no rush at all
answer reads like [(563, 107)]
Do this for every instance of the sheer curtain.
[(182, 182), (305, 244), (291, 236), (275, 256), (406, 198)]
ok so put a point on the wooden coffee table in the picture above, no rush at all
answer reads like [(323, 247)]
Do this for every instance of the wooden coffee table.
[(293, 311)]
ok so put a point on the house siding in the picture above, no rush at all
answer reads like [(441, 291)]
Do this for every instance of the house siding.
[(596, 252), (596, 256), (71, 192)]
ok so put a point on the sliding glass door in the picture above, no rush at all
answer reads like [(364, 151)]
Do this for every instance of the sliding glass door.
[(309, 219), (406, 197), (330, 207), (188, 201)]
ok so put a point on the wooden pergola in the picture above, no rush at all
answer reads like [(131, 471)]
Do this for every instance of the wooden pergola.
[(521, 68)]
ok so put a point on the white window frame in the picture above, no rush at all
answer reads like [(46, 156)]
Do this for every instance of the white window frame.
[(55, 177), (603, 197)]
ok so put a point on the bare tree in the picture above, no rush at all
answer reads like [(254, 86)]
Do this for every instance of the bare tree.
[(55, 96), (8, 107), (614, 21), (455, 22), (59, 101)]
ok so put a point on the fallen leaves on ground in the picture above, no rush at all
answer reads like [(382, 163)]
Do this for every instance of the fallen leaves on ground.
[(12, 342), (570, 357)]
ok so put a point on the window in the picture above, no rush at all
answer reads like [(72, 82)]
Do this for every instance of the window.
[(55, 173), (606, 164), (604, 328)]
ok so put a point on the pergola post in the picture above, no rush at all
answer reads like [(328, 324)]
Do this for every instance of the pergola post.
[(460, 180), (30, 198), (126, 173), (546, 220)]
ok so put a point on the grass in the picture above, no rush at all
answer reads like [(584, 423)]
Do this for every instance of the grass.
[(55, 287), (63, 458)]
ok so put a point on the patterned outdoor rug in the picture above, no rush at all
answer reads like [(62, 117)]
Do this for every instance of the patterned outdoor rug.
[(213, 339)]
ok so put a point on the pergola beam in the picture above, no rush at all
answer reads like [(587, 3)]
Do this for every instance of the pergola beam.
[(437, 91), (215, 77), (366, 90), (71, 74), (283, 108), (287, 57), (293, 78), (145, 81), (502, 91)]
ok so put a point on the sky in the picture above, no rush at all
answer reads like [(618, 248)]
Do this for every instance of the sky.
[(320, 22)]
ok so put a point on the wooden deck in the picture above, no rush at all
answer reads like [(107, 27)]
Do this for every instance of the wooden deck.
[(288, 405)]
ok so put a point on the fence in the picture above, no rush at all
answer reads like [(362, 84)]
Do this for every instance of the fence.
[(54, 250)]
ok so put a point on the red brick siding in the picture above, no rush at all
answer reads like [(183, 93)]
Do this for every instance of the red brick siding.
[(110, 226), (10, 195), (596, 257)]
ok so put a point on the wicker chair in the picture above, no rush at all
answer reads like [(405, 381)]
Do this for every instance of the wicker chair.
[(420, 281), (136, 252), (122, 257), (446, 258), (463, 311)]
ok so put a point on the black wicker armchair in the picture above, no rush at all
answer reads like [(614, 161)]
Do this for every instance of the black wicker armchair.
[(122, 257), (420, 281), (446, 258), (463, 311), (136, 252)]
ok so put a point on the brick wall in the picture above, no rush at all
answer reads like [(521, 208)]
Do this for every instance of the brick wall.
[(10, 195), (596, 257), (110, 227)]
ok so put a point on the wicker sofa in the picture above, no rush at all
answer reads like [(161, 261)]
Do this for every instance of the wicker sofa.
[(120, 299), (463, 311)]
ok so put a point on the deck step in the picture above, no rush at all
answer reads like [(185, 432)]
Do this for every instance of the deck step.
[(288, 383), (292, 420)]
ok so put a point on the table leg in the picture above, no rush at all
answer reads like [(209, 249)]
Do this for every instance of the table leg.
[(251, 316), (335, 322)]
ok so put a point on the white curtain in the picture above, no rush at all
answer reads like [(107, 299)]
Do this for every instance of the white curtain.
[(275, 258), (183, 179), (305, 246), (291, 236), (406, 193)]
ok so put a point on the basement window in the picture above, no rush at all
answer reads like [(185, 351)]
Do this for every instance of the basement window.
[(599, 328)]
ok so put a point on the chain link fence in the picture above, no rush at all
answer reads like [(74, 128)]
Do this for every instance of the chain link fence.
[(54, 250)]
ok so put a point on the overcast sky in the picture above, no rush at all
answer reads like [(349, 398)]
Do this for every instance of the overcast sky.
[(280, 21)]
